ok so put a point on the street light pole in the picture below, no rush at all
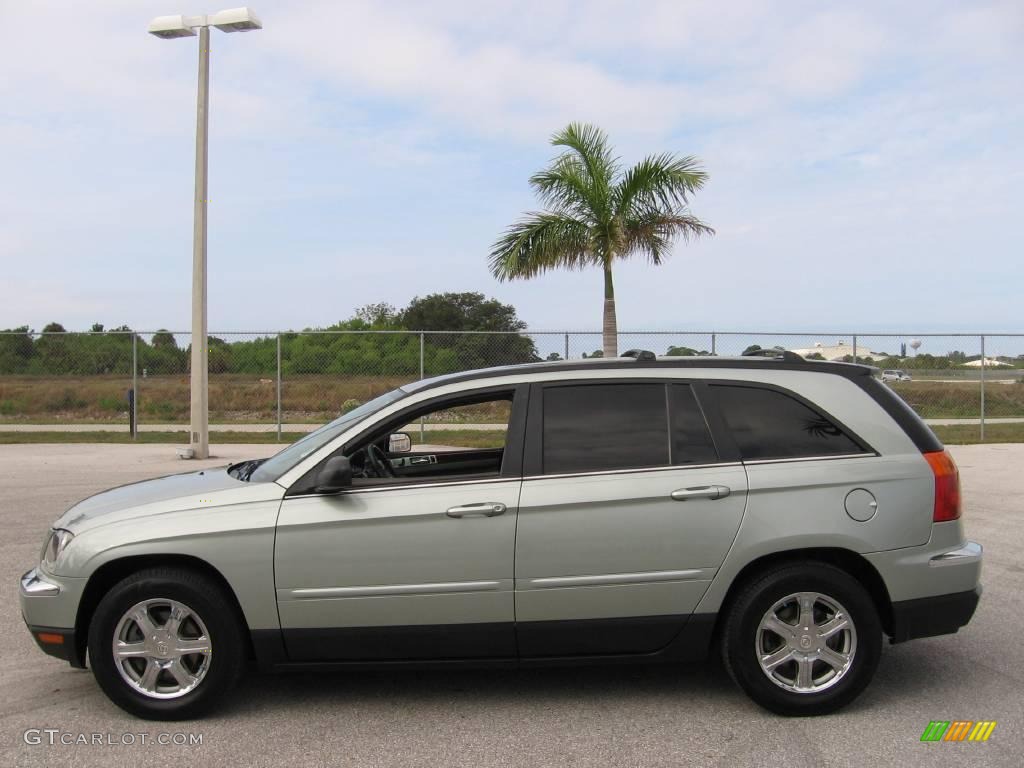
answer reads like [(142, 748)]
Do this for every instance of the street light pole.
[(200, 429), (168, 27)]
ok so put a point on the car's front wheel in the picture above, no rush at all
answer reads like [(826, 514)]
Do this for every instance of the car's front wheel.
[(803, 640), (166, 644)]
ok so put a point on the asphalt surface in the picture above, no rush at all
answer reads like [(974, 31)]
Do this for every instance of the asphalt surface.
[(612, 716)]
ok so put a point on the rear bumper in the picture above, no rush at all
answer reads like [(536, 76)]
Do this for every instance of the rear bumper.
[(930, 616), (946, 565)]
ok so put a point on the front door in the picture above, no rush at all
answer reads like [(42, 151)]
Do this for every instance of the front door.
[(625, 515), (415, 561)]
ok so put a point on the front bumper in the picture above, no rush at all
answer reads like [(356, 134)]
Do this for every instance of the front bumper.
[(59, 643), (930, 616), (49, 607)]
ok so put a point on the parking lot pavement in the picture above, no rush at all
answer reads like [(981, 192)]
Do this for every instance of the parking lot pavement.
[(611, 716)]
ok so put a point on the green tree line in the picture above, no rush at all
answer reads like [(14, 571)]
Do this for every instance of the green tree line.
[(312, 351)]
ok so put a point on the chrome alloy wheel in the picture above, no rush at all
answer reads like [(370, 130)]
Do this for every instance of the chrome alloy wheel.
[(162, 648), (806, 642)]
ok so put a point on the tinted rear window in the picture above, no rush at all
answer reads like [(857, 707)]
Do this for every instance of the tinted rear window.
[(691, 438), (768, 424), (605, 426)]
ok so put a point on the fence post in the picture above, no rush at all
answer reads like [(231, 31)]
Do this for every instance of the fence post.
[(983, 388), (423, 436), (855, 347), (279, 387), (567, 346), (714, 343), (134, 405)]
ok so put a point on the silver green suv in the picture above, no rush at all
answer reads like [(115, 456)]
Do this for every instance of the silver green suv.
[(783, 513)]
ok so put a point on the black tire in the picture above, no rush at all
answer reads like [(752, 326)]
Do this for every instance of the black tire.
[(740, 638), (223, 625)]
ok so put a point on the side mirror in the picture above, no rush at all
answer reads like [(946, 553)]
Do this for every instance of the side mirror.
[(399, 443), (336, 475)]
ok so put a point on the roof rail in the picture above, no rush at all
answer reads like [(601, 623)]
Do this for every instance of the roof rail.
[(640, 354), (775, 354)]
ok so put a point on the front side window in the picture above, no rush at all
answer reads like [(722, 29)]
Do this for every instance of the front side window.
[(597, 427), (279, 463), (769, 424), (454, 439)]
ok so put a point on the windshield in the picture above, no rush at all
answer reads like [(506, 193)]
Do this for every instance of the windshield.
[(279, 463)]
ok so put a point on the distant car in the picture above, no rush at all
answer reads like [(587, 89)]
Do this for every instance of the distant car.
[(781, 512), (895, 374)]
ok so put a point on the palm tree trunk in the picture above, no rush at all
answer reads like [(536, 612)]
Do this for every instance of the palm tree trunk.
[(609, 326)]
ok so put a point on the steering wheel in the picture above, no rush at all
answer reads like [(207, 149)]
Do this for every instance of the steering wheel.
[(379, 461)]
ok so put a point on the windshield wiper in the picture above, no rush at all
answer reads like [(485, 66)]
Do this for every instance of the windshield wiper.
[(244, 469)]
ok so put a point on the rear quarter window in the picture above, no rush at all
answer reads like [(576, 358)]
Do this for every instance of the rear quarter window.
[(771, 424), (911, 424)]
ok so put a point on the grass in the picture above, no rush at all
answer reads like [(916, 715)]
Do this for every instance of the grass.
[(241, 398), (234, 398), (165, 399), (951, 400), (179, 438), (252, 399), (966, 434), (960, 434), (468, 438)]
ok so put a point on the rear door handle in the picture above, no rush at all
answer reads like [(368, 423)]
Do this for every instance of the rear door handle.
[(486, 509), (702, 492)]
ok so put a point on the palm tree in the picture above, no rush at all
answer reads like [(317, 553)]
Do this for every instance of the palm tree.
[(598, 213)]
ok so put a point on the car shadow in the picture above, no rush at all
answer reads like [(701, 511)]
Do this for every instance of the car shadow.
[(481, 686), (905, 674)]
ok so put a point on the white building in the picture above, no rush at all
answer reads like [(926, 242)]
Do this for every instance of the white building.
[(990, 362), (838, 351)]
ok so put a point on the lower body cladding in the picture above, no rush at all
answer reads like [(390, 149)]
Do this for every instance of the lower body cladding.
[(643, 615), (642, 639), (674, 638), (59, 643), (930, 616), (525, 644)]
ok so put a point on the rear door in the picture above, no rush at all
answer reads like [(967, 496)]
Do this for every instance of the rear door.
[(625, 514), (812, 479)]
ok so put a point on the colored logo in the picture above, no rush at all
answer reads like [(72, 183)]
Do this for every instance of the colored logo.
[(958, 730)]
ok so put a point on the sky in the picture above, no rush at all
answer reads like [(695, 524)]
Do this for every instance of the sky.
[(865, 159)]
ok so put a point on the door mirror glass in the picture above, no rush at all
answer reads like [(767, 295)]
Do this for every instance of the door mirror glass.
[(399, 442), (336, 475)]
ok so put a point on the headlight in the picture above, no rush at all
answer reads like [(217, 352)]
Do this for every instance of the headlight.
[(57, 543)]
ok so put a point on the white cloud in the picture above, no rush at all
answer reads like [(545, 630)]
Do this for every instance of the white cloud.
[(879, 132)]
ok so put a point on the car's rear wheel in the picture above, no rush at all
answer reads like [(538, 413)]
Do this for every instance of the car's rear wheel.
[(152, 641), (803, 640)]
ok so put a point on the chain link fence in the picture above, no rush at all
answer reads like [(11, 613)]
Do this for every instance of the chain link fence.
[(968, 386)]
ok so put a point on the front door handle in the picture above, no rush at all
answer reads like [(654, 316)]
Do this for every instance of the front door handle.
[(487, 509), (702, 492)]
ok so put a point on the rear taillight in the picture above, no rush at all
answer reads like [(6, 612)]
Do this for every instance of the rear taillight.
[(947, 486)]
